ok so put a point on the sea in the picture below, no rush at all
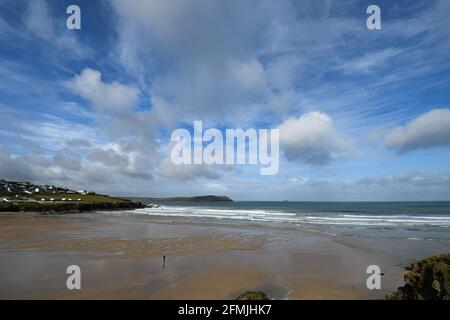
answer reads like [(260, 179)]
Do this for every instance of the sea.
[(405, 220)]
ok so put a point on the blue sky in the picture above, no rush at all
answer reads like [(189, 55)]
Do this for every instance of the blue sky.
[(363, 114)]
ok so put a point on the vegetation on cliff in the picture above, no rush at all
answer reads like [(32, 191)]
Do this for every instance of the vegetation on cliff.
[(253, 295), (58, 203), (428, 279)]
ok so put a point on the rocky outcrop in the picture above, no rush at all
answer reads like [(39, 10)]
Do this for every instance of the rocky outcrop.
[(428, 279)]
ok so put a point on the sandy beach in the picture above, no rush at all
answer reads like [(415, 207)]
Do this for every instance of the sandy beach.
[(121, 258)]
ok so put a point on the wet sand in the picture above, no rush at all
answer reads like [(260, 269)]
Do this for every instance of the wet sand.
[(120, 257)]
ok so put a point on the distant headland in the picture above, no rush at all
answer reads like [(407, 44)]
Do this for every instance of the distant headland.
[(207, 198)]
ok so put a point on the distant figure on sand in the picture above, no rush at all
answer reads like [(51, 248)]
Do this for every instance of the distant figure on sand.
[(164, 261)]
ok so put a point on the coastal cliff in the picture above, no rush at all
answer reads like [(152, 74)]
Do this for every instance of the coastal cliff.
[(428, 279), (26, 196)]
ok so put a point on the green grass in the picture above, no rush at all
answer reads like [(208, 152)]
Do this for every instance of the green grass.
[(428, 279)]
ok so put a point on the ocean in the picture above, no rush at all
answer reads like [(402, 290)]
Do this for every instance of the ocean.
[(406, 220)]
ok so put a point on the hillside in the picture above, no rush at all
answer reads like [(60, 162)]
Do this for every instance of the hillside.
[(26, 196)]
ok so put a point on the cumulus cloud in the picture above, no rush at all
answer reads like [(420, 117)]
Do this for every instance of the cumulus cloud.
[(312, 139), (131, 147), (429, 130), (113, 97)]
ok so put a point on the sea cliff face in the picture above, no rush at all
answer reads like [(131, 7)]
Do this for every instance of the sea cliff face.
[(428, 279)]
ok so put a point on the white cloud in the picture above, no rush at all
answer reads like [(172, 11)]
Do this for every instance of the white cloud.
[(312, 139), (114, 97), (132, 146), (299, 180), (370, 61), (429, 130)]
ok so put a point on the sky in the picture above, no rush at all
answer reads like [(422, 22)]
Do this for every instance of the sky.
[(364, 115)]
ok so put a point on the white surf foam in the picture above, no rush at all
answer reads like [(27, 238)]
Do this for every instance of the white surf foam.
[(289, 217)]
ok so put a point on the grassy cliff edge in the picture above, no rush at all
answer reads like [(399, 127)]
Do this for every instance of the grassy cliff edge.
[(428, 279), (54, 203)]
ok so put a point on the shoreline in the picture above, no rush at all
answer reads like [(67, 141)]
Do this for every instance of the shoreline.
[(121, 257)]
